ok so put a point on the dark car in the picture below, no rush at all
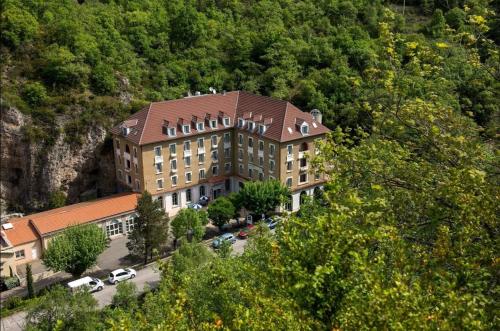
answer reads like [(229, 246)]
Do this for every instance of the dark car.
[(271, 222)]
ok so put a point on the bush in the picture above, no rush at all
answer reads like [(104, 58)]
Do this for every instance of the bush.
[(126, 296), (11, 282), (34, 94), (103, 79)]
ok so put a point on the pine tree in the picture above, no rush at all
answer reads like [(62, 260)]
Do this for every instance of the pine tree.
[(29, 280)]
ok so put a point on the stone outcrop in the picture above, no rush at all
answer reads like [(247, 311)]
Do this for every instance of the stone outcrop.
[(31, 171)]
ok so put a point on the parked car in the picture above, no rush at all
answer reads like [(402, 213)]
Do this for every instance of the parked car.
[(271, 222), (195, 206), (246, 232), (91, 283), (204, 200), (121, 274), (217, 242)]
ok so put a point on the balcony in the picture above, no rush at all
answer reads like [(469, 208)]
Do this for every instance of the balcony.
[(187, 152), (227, 144), (289, 157), (260, 153), (158, 159), (303, 168), (174, 170), (250, 150), (201, 150)]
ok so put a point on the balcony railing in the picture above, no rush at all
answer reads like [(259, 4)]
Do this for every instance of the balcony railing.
[(289, 157), (158, 159), (187, 152), (227, 144), (201, 150), (302, 154)]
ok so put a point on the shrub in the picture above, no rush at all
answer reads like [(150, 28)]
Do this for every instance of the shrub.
[(11, 282), (34, 94)]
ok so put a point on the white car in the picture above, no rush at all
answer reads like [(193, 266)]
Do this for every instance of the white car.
[(195, 206), (90, 283), (121, 274)]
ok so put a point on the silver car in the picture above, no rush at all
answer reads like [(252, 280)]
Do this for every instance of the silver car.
[(121, 274)]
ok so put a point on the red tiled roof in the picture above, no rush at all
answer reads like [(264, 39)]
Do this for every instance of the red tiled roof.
[(277, 115), (30, 227)]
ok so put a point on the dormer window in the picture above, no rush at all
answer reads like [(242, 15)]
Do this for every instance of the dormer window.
[(171, 132), (226, 121), (186, 129), (304, 128), (262, 129), (213, 124), (125, 131), (200, 126), (251, 125), (241, 122)]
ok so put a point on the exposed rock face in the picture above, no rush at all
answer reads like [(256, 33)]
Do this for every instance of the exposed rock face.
[(30, 171)]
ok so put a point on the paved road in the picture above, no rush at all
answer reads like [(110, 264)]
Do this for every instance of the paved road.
[(149, 275)]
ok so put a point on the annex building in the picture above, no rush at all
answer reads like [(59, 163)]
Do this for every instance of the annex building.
[(209, 145)]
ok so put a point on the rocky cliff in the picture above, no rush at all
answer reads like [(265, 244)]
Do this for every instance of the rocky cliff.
[(31, 171)]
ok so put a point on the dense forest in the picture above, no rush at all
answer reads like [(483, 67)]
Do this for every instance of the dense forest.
[(406, 234)]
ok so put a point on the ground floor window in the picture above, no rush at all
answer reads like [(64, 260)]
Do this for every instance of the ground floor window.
[(303, 197), (175, 199), (228, 185), (288, 203), (113, 228), (188, 195), (202, 191), (160, 201), (129, 224)]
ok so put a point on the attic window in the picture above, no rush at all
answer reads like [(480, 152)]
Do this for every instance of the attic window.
[(226, 121), (251, 125), (262, 129), (7, 226), (200, 126), (125, 131), (304, 128), (171, 132), (186, 129), (213, 124), (241, 122)]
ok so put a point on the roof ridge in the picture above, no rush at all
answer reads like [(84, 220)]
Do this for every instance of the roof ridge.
[(145, 122), (284, 119)]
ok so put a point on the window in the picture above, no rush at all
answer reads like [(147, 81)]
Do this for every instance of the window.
[(227, 153), (227, 137), (173, 149), (289, 166), (289, 149), (227, 185), (241, 122), (186, 129), (261, 176), (250, 157), (158, 151), (20, 254), (127, 164), (215, 155), (304, 129), (187, 161), (250, 172), (262, 129), (202, 174), (289, 182), (272, 150), (201, 142), (114, 228), (240, 154), (159, 183), (173, 164), (136, 168), (240, 139), (200, 126), (129, 224), (226, 121), (251, 125), (174, 180), (213, 124), (127, 149), (117, 144), (135, 152), (129, 180), (261, 161), (316, 176), (175, 200), (303, 178), (187, 145), (188, 177), (188, 195), (250, 142), (201, 158), (137, 185), (202, 191), (261, 145), (160, 202), (215, 170), (159, 168), (303, 147), (171, 132), (227, 167), (240, 169), (119, 159), (120, 175), (272, 165), (214, 141)]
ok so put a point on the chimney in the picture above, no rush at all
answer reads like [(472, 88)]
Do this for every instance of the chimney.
[(316, 114)]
